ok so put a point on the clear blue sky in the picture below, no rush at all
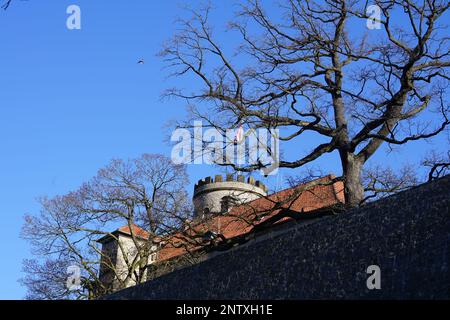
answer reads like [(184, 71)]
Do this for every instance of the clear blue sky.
[(70, 100)]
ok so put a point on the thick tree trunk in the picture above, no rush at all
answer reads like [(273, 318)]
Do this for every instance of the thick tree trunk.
[(353, 188)]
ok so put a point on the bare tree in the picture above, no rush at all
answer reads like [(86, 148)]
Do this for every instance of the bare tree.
[(47, 280), (318, 69), (380, 181), (148, 191), (438, 165)]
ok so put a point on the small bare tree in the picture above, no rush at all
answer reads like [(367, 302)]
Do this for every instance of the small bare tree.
[(318, 69), (148, 191)]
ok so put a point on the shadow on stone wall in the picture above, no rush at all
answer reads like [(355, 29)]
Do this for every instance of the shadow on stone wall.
[(407, 235)]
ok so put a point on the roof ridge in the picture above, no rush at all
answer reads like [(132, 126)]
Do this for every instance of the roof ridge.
[(127, 230), (329, 176)]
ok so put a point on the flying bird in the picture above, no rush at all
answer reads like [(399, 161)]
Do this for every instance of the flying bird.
[(141, 61)]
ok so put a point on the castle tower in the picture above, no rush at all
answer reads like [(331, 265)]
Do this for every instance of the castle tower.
[(218, 195)]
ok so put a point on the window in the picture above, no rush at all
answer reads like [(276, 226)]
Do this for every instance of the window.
[(152, 258)]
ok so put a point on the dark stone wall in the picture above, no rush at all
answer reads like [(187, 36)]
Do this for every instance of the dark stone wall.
[(407, 235)]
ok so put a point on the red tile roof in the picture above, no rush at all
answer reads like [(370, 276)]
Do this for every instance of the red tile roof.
[(304, 198)]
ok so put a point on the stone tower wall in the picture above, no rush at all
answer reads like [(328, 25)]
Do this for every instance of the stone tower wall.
[(209, 192)]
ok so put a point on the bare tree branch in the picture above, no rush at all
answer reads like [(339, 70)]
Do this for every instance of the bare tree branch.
[(306, 72)]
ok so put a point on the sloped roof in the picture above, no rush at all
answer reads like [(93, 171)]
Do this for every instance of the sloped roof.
[(307, 197), (137, 231)]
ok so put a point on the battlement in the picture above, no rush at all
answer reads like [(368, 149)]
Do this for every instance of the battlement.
[(230, 178)]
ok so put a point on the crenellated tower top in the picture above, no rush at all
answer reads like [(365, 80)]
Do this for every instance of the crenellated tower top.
[(219, 194)]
